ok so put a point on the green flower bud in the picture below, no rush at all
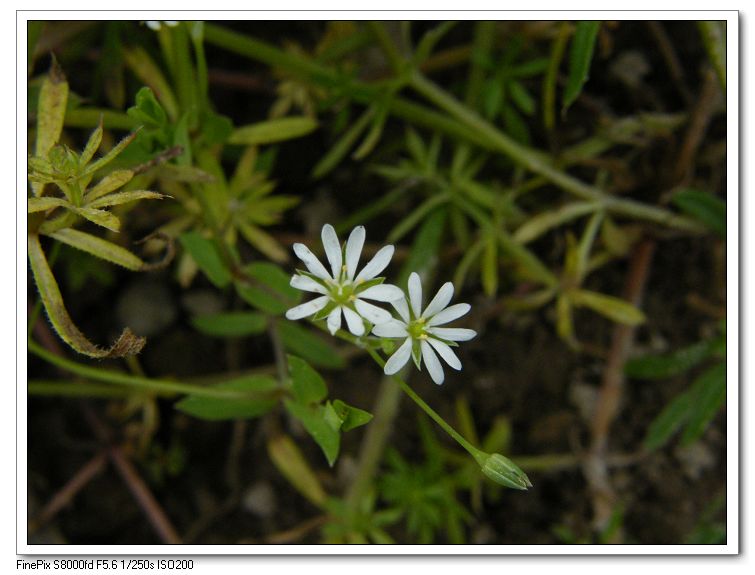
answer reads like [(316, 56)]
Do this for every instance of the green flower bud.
[(505, 472)]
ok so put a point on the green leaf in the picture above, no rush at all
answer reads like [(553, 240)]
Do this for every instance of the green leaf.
[(51, 109), (339, 150), (98, 247), (127, 343), (272, 131), (713, 34), (614, 308), (92, 145), (308, 385), (230, 324), (45, 203), (291, 463), (322, 423), (539, 224), (666, 366), (148, 110), (489, 265), (148, 72), (263, 391), (111, 155), (99, 217), (263, 241), (522, 98), (309, 346), (351, 417), (204, 252), (424, 252), (704, 207), (124, 198), (709, 393), (110, 183), (580, 58), (273, 294), (216, 129), (668, 422)]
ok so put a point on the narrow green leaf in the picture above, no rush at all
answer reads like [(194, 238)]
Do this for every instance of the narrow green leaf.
[(351, 417), (98, 247), (51, 109), (564, 321), (338, 151), (322, 424), (714, 39), (230, 324), (528, 263), (142, 65), (262, 389), (99, 217), (309, 346), (110, 183), (272, 131), (205, 254), (709, 393), (92, 145), (44, 203), (263, 241), (614, 308), (668, 422), (521, 97), (539, 224), (273, 293), (291, 463), (111, 155), (580, 58), (424, 252), (489, 267), (124, 198), (419, 214), (704, 207), (127, 343), (308, 385), (667, 366)]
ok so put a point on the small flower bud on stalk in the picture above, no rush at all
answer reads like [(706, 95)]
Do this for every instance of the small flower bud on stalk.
[(503, 471)]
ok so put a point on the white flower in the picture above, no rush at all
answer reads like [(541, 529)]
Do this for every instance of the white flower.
[(157, 24), (344, 291), (420, 328)]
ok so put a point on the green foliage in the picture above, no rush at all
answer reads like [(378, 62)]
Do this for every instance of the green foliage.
[(580, 58), (230, 324), (704, 207), (262, 392)]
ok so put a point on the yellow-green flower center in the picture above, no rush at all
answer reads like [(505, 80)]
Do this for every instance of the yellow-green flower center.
[(416, 329)]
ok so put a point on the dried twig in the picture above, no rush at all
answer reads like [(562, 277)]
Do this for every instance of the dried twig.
[(595, 467)]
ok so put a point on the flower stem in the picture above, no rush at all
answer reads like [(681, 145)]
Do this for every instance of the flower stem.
[(473, 451), (135, 382)]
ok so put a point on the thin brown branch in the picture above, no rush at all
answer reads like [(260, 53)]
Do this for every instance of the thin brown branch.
[(65, 495), (149, 505), (595, 467), (671, 59)]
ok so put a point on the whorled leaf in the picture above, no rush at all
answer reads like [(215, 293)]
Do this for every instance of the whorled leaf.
[(100, 248), (110, 183), (124, 197), (127, 344)]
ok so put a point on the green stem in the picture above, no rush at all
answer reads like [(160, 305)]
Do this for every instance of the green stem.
[(473, 451), (135, 382), (90, 118), (70, 389), (389, 48)]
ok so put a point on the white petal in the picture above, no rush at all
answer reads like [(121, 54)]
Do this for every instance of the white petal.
[(377, 264), (392, 328), (383, 292), (434, 368), (449, 314), (355, 323), (440, 301), (453, 333), (402, 308), (446, 353), (307, 284), (371, 312), (334, 320), (399, 358), (415, 293), (310, 260), (307, 308), (332, 249), (354, 250)]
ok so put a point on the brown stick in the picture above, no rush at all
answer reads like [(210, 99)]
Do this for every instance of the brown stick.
[(65, 495), (144, 497), (595, 467)]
